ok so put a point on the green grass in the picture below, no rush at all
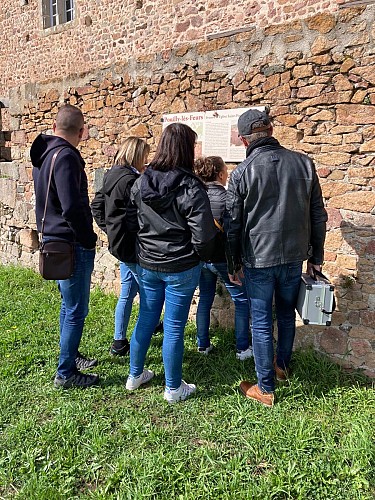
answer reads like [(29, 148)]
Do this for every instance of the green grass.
[(104, 443)]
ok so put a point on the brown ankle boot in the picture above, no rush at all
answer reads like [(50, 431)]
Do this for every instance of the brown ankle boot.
[(253, 392), (281, 375)]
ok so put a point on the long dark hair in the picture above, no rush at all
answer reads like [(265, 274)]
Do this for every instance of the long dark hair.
[(175, 148)]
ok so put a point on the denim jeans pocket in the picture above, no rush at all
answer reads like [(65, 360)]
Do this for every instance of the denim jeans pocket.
[(142, 272), (293, 273), (188, 276), (261, 275), (85, 256)]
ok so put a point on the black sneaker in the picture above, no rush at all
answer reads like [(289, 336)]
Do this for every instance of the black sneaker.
[(159, 328), (205, 350), (83, 363), (120, 348), (78, 379)]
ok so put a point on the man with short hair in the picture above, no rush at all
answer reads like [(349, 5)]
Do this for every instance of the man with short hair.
[(68, 218), (276, 219)]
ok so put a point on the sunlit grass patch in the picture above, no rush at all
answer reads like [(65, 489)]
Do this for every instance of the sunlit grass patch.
[(316, 443)]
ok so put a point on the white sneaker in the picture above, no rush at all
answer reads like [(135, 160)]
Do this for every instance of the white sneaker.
[(134, 382), (184, 391), (242, 355), (205, 350)]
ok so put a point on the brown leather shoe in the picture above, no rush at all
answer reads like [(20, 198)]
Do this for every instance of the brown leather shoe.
[(281, 375), (253, 392)]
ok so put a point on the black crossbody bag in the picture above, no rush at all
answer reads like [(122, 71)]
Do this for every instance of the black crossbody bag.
[(56, 257)]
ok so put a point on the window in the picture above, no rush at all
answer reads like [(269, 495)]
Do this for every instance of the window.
[(57, 12), (69, 10)]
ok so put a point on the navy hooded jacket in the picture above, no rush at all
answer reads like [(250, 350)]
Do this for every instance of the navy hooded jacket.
[(68, 214)]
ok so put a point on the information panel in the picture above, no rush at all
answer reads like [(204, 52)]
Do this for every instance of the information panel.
[(217, 132)]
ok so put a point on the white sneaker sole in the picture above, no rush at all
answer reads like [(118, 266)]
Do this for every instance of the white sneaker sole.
[(182, 396), (242, 356), (133, 383), (206, 351)]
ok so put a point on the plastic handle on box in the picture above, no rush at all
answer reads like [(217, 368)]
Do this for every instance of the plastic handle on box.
[(319, 275)]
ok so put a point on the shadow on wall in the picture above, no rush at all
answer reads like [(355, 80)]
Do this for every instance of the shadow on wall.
[(350, 340), (356, 290), (5, 150)]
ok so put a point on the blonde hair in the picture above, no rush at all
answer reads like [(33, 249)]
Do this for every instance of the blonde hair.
[(132, 152)]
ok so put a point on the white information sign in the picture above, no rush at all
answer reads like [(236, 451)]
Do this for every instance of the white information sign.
[(217, 132)]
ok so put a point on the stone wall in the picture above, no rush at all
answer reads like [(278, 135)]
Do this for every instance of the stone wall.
[(317, 75), (110, 31)]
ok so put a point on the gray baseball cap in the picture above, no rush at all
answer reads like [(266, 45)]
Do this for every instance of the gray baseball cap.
[(251, 120)]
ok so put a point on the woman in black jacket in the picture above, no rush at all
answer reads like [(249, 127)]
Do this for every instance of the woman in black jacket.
[(115, 214), (214, 172), (176, 232)]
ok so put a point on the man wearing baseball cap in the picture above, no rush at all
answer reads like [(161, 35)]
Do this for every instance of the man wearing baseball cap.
[(276, 220)]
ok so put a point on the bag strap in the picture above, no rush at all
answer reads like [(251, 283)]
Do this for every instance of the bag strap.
[(48, 186), (218, 225)]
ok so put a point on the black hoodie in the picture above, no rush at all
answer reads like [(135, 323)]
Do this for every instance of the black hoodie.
[(68, 214), (114, 213), (176, 226)]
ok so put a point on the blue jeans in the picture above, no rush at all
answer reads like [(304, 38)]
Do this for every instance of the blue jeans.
[(177, 290), (262, 284), (207, 288), (129, 289), (75, 295)]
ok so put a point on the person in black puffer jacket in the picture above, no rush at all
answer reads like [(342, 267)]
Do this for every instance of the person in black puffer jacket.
[(214, 172), (117, 217), (176, 232)]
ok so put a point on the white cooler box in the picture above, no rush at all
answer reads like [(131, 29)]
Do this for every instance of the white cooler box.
[(316, 300)]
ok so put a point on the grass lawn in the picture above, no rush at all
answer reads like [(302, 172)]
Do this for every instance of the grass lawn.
[(104, 443)]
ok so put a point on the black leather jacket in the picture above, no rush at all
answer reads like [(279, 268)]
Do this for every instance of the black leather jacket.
[(176, 227), (275, 210)]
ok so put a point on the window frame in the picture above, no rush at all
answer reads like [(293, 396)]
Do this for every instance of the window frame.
[(57, 12), (344, 4)]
